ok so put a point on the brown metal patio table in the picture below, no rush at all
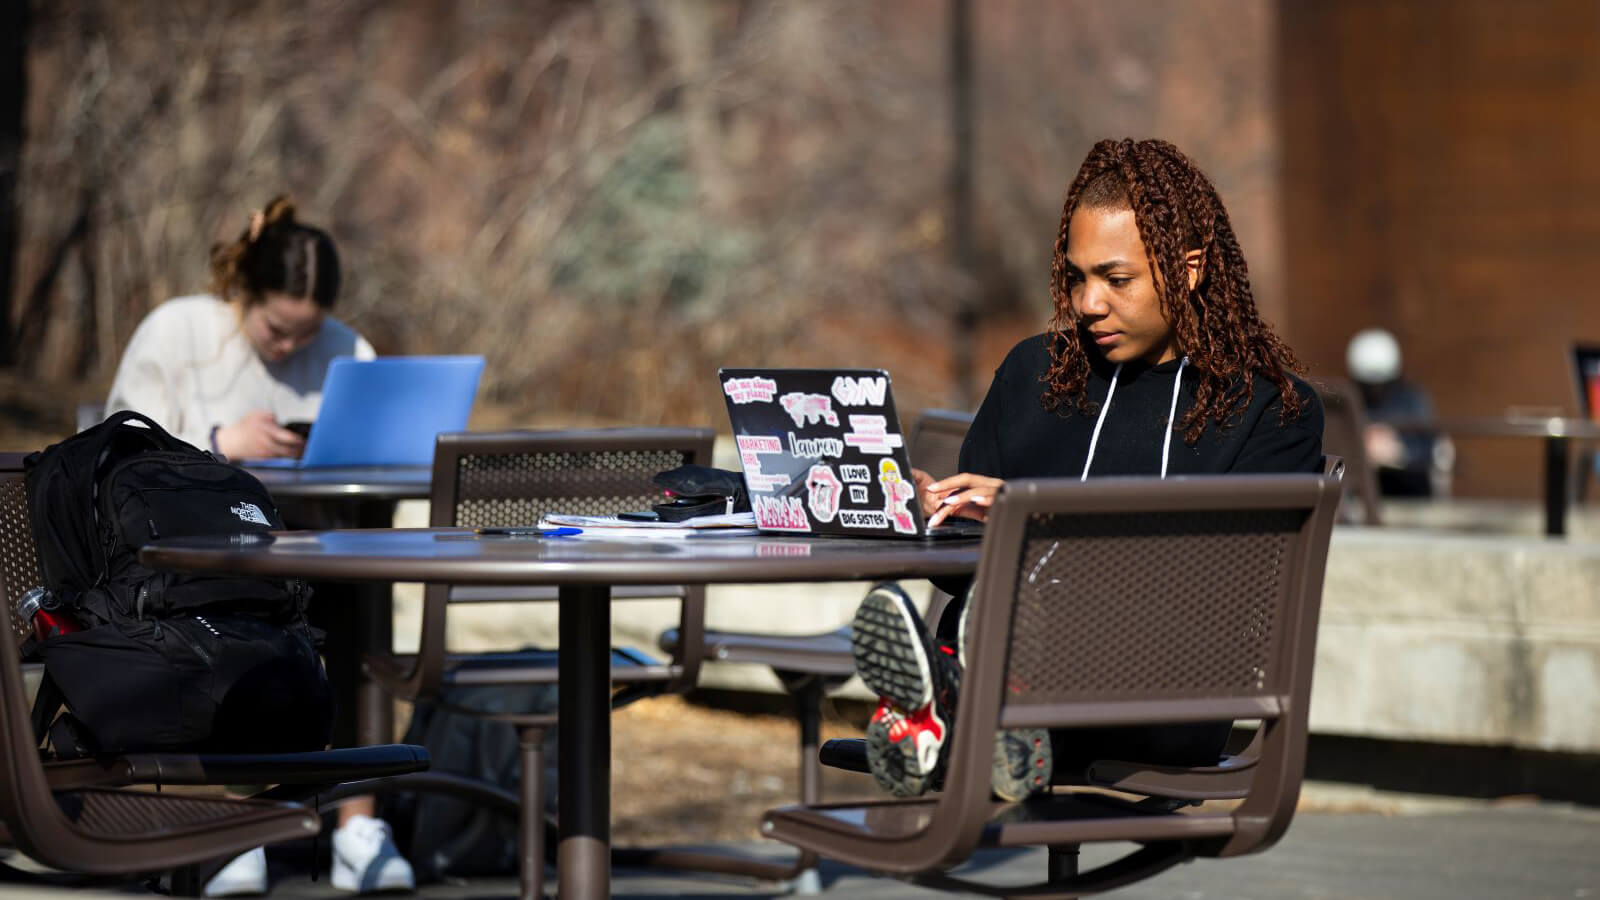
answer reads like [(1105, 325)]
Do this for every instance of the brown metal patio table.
[(584, 570), (346, 484), (1558, 433)]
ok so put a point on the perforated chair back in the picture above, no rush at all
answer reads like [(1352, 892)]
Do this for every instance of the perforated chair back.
[(492, 479), (18, 558), (935, 441), (1344, 435), (512, 478), (98, 831)]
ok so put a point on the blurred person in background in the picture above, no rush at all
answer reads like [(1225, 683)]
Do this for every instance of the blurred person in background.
[(226, 371), (1405, 461), (1156, 362)]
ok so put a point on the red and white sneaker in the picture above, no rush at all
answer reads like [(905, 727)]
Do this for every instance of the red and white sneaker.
[(908, 730)]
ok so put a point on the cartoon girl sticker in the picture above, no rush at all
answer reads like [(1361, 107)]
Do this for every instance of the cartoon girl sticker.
[(897, 492)]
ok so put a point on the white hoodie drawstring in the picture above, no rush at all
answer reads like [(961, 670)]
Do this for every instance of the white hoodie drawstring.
[(1172, 411)]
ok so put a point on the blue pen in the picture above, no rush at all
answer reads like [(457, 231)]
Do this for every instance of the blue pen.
[(531, 532)]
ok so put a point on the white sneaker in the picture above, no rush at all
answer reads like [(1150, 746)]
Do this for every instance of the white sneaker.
[(244, 874), (365, 859)]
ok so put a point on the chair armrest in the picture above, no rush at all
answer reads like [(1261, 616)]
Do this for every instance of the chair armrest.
[(317, 767), (827, 654)]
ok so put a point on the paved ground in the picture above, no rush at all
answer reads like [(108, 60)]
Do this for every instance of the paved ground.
[(1419, 849)]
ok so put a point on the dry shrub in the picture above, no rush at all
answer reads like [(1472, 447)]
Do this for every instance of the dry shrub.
[(607, 199)]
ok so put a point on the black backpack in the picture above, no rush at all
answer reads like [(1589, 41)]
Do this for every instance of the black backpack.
[(165, 661), (451, 837)]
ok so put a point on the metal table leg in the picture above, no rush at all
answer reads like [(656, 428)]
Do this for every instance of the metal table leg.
[(1555, 485), (583, 861), (375, 606)]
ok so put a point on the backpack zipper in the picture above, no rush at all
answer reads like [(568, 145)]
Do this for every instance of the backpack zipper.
[(195, 645)]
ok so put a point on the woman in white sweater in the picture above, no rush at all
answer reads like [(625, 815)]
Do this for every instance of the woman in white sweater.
[(227, 370)]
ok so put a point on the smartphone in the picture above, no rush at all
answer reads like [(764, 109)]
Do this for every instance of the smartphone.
[(639, 515), (301, 428)]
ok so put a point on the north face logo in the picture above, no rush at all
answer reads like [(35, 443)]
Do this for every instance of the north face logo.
[(249, 512)]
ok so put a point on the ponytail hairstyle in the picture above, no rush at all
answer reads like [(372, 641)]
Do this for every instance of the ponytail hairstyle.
[(276, 255), (1177, 210)]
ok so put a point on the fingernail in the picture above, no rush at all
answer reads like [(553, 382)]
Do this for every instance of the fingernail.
[(953, 498)]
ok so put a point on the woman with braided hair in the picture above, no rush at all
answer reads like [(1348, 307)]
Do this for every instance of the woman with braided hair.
[(1156, 362), (225, 370)]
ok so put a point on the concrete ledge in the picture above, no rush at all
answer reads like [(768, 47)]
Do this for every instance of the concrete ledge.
[(1438, 636), (1475, 515)]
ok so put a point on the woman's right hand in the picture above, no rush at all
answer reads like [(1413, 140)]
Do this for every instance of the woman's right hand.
[(258, 436), (965, 495)]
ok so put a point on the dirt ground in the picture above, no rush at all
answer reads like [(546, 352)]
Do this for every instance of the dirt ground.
[(690, 772)]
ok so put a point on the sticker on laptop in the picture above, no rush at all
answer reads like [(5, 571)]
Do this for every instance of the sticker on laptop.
[(822, 492), (897, 493), (815, 448), (780, 513), (751, 446), (850, 390), (808, 409), (870, 434), (750, 390)]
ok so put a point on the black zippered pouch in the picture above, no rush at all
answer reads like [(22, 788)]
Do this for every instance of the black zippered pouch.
[(700, 491)]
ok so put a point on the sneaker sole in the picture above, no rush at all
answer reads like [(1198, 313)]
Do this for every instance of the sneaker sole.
[(889, 652), (894, 764), (1007, 782)]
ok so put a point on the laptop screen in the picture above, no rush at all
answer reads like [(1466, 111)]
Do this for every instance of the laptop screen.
[(387, 411), (822, 451), (1586, 365)]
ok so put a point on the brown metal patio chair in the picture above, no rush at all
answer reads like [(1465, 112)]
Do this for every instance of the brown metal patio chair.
[(935, 441), (63, 814), (509, 479), (1118, 602), (292, 776), (1344, 434)]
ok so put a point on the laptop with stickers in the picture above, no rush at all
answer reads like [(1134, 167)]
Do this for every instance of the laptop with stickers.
[(387, 411), (823, 453)]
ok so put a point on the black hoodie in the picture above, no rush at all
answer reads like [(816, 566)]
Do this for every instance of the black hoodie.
[(1014, 436)]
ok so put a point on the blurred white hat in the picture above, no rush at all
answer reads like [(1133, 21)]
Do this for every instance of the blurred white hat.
[(1373, 356)]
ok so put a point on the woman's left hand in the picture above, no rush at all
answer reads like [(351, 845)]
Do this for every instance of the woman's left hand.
[(965, 495)]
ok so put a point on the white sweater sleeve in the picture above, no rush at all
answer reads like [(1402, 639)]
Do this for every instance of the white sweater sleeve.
[(144, 381)]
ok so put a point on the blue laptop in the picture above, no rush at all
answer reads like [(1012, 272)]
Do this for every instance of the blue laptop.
[(387, 411)]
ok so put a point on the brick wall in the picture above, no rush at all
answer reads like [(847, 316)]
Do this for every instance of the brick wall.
[(1441, 178)]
